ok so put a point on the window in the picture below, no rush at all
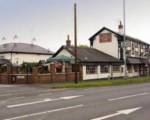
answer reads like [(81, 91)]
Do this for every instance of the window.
[(116, 68), (136, 68), (129, 68), (137, 53), (58, 67), (147, 48), (133, 48), (128, 53), (105, 37), (135, 45), (128, 43), (122, 69), (91, 69), (104, 69)]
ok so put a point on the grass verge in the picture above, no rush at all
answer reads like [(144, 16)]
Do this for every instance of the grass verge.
[(103, 83)]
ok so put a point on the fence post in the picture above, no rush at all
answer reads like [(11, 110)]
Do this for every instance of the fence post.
[(80, 72), (52, 71), (66, 72)]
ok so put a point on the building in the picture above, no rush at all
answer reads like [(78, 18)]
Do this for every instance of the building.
[(104, 58), (18, 53), (137, 51)]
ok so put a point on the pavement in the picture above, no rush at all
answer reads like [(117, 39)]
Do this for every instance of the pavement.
[(31, 102)]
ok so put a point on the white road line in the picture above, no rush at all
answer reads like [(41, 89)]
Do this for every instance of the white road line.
[(43, 101), (70, 97), (30, 103), (129, 96), (45, 112)]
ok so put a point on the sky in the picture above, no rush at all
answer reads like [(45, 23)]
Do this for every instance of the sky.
[(50, 21)]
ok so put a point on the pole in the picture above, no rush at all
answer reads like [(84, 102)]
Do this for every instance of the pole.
[(75, 42), (124, 37), (11, 68)]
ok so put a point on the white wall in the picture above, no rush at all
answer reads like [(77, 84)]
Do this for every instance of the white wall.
[(88, 76), (133, 73), (100, 75), (20, 57), (110, 48)]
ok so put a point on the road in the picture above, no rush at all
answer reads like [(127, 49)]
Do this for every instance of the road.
[(33, 102)]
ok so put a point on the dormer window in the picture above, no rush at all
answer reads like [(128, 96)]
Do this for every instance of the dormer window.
[(105, 37)]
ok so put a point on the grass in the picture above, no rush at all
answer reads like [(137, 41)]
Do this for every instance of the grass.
[(103, 83)]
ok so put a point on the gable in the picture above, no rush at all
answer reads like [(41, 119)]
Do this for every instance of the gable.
[(65, 53), (102, 30)]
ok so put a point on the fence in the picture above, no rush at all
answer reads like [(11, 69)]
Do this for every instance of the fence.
[(37, 78)]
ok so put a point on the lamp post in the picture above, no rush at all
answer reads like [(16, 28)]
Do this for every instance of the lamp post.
[(124, 38), (75, 41)]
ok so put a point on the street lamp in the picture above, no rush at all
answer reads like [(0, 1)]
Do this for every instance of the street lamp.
[(124, 38)]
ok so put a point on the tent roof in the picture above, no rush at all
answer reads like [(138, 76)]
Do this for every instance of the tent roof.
[(60, 58)]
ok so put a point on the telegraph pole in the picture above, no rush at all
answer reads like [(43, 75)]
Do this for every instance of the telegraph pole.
[(124, 38), (75, 42)]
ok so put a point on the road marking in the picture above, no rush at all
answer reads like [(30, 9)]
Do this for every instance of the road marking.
[(129, 96), (124, 112), (43, 101), (30, 103), (45, 112), (70, 97)]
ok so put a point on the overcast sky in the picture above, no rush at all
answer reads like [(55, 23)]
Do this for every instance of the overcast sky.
[(49, 21)]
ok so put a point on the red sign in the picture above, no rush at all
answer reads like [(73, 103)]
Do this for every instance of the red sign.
[(105, 37)]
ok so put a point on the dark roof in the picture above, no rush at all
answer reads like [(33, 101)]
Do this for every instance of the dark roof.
[(4, 61), (118, 34), (89, 55), (23, 48), (133, 60)]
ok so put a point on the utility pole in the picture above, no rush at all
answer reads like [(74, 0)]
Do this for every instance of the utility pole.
[(75, 42), (124, 38)]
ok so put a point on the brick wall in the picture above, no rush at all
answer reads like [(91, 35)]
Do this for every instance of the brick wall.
[(36, 78)]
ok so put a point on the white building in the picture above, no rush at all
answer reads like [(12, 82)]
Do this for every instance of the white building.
[(105, 58), (18, 53)]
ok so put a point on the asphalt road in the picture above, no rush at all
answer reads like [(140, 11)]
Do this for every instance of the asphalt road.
[(30, 102)]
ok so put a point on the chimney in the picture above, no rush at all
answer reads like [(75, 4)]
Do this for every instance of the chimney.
[(120, 28), (68, 41)]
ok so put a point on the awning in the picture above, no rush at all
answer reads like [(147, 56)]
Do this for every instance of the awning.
[(60, 58), (132, 60)]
